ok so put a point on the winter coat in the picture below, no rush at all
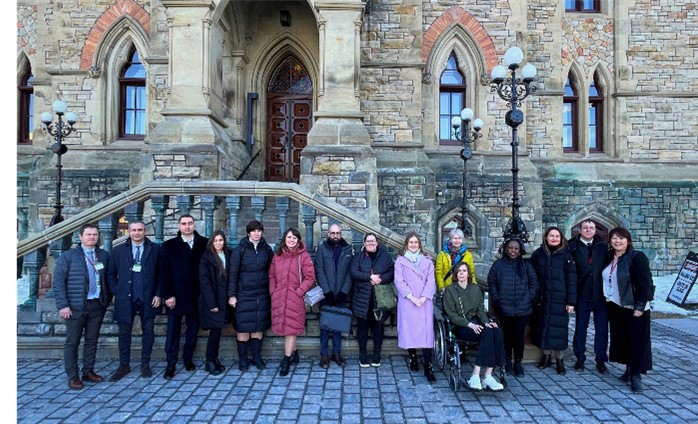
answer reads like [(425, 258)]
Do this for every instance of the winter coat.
[(333, 278), (214, 291), (557, 277), (179, 273), (635, 285), (362, 266), (513, 287), (444, 267), (287, 288), (415, 325), (249, 283), (119, 277), (465, 305), (589, 281), (71, 281)]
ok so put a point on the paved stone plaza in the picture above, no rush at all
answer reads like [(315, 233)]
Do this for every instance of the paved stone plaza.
[(390, 393)]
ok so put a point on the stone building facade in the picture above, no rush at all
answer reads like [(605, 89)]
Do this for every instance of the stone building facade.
[(344, 97)]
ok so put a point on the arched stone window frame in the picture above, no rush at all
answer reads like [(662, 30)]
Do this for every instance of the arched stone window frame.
[(26, 124), (112, 54), (456, 40)]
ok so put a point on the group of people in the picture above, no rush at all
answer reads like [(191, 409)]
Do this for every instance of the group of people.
[(584, 276), (204, 284)]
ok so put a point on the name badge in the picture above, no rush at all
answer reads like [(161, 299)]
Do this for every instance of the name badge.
[(136, 267), (99, 266)]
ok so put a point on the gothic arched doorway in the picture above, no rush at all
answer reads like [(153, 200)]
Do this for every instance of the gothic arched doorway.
[(289, 118)]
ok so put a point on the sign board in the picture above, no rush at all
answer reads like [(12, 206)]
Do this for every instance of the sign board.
[(685, 280)]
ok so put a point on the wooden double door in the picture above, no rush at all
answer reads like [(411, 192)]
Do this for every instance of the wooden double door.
[(289, 119)]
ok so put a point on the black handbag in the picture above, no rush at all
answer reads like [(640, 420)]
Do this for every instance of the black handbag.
[(335, 318)]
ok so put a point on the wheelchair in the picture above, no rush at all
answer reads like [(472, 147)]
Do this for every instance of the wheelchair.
[(454, 353)]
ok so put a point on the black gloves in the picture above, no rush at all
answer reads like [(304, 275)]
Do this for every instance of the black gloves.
[(329, 298), (340, 299)]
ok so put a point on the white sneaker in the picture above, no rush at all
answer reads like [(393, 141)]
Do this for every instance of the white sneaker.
[(474, 382), (491, 383)]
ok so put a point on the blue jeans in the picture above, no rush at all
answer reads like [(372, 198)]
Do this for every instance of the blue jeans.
[(325, 342), (584, 310)]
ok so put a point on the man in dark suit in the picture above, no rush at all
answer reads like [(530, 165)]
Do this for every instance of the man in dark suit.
[(588, 251), (132, 278), (179, 287), (82, 297)]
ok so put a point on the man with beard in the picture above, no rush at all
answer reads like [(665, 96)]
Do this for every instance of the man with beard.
[(332, 261)]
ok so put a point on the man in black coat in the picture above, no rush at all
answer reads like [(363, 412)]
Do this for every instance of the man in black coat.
[(132, 278), (82, 297), (178, 284), (588, 251), (332, 261)]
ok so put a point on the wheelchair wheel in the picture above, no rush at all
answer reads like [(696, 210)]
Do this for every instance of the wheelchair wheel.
[(440, 344), (454, 379)]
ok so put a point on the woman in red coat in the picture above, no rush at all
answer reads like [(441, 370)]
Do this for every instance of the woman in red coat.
[(291, 275)]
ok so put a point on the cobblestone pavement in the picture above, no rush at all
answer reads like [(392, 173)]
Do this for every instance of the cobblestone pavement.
[(387, 394)]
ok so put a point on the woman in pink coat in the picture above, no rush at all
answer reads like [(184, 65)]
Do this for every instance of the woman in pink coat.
[(414, 279), (291, 274)]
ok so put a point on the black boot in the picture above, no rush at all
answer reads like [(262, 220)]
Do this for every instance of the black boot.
[(560, 366), (429, 372), (285, 365), (414, 365), (257, 354), (507, 366), (211, 368), (636, 383), (295, 358), (219, 366), (244, 362), (545, 362), (518, 369)]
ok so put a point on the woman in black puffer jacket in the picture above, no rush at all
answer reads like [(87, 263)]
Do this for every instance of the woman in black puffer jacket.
[(370, 267), (557, 276), (514, 290)]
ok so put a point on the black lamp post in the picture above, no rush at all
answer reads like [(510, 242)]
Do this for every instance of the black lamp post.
[(514, 90), (59, 131), (467, 137)]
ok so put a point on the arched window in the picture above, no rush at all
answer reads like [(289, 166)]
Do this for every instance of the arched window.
[(451, 99), (570, 116), (596, 111), (133, 100), (25, 126)]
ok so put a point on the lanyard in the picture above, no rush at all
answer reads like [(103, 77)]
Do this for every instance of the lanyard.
[(614, 262)]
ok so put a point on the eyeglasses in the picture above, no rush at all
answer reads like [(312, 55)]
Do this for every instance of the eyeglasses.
[(370, 242)]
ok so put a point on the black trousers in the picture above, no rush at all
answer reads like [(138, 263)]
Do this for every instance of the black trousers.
[(174, 335), (490, 351), (513, 329), (362, 326), (88, 322), (213, 344), (147, 337), (630, 339)]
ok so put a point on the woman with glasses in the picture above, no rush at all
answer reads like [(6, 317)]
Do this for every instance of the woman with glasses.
[(371, 267)]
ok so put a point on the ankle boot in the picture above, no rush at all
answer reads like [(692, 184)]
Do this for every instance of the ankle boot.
[(507, 366), (295, 358), (211, 368), (545, 362), (244, 363), (219, 366), (429, 372), (285, 365), (636, 383), (257, 354), (414, 364), (518, 369), (560, 366), (626, 375)]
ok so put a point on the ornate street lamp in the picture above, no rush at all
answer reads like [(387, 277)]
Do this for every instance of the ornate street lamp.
[(467, 137), (59, 131), (514, 90)]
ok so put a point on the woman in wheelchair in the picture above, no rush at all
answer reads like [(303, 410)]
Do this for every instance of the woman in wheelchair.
[(463, 303)]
